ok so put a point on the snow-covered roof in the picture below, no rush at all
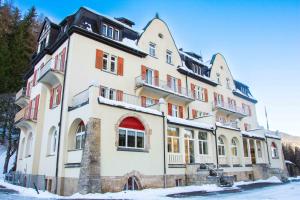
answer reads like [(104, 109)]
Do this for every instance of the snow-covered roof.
[(194, 59), (226, 126), (185, 68), (128, 106), (192, 123), (272, 134), (253, 134), (243, 94)]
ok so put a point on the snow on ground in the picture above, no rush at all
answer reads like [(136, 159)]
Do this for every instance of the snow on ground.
[(272, 179)]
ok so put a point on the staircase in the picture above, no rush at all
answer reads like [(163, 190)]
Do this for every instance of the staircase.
[(200, 174)]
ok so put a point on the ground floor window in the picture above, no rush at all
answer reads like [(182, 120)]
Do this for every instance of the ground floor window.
[(80, 136), (173, 140), (234, 149), (221, 146), (203, 147), (178, 182), (131, 184), (245, 144), (259, 149)]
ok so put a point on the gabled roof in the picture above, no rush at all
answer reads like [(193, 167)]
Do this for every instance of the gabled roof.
[(47, 21)]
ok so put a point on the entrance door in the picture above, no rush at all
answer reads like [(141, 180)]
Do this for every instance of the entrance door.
[(252, 152), (189, 147)]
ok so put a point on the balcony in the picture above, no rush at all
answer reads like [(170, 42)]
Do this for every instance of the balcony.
[(228, 125), (25, 118), (21, 98), (51, 73), (229, 109), (163, 89)]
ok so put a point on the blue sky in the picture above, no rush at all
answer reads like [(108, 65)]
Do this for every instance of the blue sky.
[(259, 39)]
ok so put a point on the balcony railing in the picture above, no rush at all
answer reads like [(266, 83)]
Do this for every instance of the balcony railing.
[(21, 93), (80, 98), (175, 158), (164, 86), (50, 65), (228, 124), (230, 108), (25, 113)]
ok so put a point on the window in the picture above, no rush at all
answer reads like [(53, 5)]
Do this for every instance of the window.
[(232, 104), (198, 113), (259, 150), (104, 29), (80, 136), (200, 93), (245, 143), (173, 84), (29, 145), (178, 182), (274, 151), (247, 126), (131, 184), (108, 93), (113, 63), (110, 32), (149, 102), (152, 49), (228, 83), (116, 34), (173, 140), (56, 96), (149, 76), (203, 147), (22, 149), (109, 63), (169, 57), (105, 61), (218, 79), (234, 150), (131, 134), (221, 146), (220, 100), (52, 141), (175, 110)]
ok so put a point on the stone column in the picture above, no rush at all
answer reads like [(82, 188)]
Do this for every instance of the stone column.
[(89, 178)]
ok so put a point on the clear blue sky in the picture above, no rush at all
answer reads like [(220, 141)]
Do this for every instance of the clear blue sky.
[(259, 39)]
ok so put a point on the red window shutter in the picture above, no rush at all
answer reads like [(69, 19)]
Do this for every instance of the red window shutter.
[(170, 109), (27, 88), (34, 77), (179, 85), (119, 95), (216, 98), (143, 72), (205, 95), (156, 77), (193, 90), (62, 61), (36, 106), (56, 62), (180, 111), (99, 59), (194, 113), (169, 81), (59, 90), (29, 110), (120, 66), (143, 101), (51, 97)]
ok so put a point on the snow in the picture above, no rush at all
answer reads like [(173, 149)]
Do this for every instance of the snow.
[(272, 135), (241, 93), (128, 106), (289, 162), (2, 159), (190, 123), (272, 179), (253, 134), (225, 126), (185, 68), (130, 43), (194, 59)]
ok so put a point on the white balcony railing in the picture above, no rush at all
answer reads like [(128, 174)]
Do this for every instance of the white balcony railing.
[(175, 158), (229, 124), (230, 107), (163, 85), (21, 93), (50, 65), (80, 98), (74, 156)]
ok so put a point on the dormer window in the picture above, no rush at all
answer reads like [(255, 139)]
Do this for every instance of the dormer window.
[(110, 32), (152, 49), (218, 79)]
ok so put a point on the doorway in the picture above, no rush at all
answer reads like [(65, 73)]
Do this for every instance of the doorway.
[(189, 147)]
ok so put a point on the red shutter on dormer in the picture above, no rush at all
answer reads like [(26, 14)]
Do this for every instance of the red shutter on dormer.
[(194, 113), (36, 106), (120, 71), (170, 109), (169, 81), (62, 61), (56, 62), (143, 101), (99, 59), (143, 72), (179, 85), (59, 90), (34, 77), (180, 111), (205, 95), (193, 90), (156, 77), (119, 95), (216, 98), (51, 97)]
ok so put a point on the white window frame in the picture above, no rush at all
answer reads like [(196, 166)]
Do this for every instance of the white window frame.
[(245, 142), (221, 146), (201, 143), (169, 57), (234, 147), (149, 102), (104, 25), (259, 149), (29, 144), (274, 151), (149, 76), (107, 93), (53, 142), (200, 93), (118, 35), (135, 135), (152, 49), (112, 32), (172, 138), (106, 58), (82, 135), (218, 79), (175, 110), (113, 61), (173, 84)]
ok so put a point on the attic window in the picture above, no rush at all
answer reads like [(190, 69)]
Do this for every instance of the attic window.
[(160, 35)]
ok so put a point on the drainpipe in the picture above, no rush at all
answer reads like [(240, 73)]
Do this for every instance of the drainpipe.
[(61, 113), (164, 145), (216, 144), (268, 151)]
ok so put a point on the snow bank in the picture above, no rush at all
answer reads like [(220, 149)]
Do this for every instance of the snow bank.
[(272, 179)]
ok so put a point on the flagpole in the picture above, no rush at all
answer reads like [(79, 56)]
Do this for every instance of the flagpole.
[(267, 118)]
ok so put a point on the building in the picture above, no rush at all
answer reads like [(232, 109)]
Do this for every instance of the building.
[(107, 108)]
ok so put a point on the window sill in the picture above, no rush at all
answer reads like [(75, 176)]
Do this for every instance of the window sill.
[(275, 158), (50, 155), (109, 72), (170, 63), (153, 56), (132, 149), (74, 150)]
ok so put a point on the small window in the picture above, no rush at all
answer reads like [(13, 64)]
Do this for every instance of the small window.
[(274, 151), (116, 34), (104, 29), (228, 83), (175, 110), (259, 148), (203, 144), (200, 93), (108, 93), (80, 136), (169, 57), (221, 147), (105, 61), (152, 49), (245, 144), (234, 150), (218, 79), (131, 184), (113, 60), (178, 182), (110, 32)]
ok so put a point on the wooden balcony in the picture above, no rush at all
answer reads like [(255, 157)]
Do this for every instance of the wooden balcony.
[(164, 90), (51, 74), (25, 118), (21, 98)]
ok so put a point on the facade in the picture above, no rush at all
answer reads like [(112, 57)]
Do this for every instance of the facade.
[(107, 108)]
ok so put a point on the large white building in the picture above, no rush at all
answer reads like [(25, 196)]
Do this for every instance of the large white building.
[(108, 108)]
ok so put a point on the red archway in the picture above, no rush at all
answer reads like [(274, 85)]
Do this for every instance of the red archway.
[(132, 123)]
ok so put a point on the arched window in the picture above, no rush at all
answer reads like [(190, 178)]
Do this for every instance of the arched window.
[(131, 184), (234, 147), (203, 147), (22, 149), (52, 141), (274, 150), (131, 133), (80, 136), (221, 146), (29, 145)]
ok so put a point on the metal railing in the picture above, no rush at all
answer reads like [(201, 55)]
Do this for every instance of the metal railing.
[(230, 124), (20, 93), (163, 85), (230, 107), (50, 65)]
